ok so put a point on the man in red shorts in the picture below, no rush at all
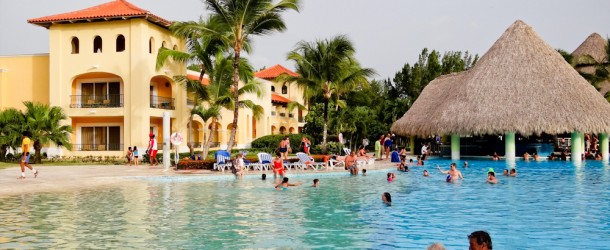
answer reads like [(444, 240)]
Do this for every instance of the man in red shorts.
[(152, 150)]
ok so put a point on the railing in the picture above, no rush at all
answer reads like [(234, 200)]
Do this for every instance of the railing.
[(190, 102), (96, 101), (97, 147), (214, 144), (272, 113), (160, 102), (282, 114)]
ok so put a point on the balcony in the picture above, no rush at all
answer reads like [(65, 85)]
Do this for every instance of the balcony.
[(282, 114), (160, 102), (97, 147), (96, 101)]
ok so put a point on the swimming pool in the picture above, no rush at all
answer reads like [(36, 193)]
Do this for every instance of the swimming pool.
[(550, 205)]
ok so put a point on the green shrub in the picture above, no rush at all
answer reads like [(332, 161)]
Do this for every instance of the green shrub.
[(270, 143)]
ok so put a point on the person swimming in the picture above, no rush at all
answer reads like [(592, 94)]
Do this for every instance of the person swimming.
[(491, 176), (285, 184), (391, 177), (505, 173), (386, 198), (513, 172), (426, 174), (316, 182)]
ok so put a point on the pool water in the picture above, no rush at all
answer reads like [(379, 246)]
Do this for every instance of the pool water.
[(550, 205)]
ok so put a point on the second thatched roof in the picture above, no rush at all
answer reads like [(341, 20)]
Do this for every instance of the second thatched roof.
[(594, 46), (520, 85)]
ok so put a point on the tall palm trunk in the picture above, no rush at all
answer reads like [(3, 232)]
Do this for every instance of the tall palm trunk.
[(237, 50), (206, 149), (325, 132)]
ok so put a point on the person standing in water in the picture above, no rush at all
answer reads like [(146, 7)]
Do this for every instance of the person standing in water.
[(491, 176), (453, 174)]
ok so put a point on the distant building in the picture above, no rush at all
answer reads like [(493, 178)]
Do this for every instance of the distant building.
[(100, 70)]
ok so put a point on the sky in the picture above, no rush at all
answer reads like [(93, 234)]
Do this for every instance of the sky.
[(386, 33)]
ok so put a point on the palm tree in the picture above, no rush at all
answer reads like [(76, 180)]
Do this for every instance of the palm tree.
[(327, 68), (11, 122), (234, 22), (200, 50), (43, 122)]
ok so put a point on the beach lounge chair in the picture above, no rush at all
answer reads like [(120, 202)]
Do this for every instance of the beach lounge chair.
[(332, 163), (264, 162), (223, 160), (306, 161), (347, 151)]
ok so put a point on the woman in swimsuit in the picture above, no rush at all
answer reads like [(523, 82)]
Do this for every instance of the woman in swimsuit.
[(278, 166)]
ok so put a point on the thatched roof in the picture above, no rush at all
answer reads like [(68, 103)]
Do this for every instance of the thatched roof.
[(594, 46), (520, 85)]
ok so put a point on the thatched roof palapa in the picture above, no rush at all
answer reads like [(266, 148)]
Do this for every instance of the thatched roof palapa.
[(594, 46), (520, 85)]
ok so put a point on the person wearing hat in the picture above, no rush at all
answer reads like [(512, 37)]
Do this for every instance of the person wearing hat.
[(152, 150), (491, 176)]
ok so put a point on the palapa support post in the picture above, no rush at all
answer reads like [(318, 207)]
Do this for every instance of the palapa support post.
[(509, 146), (411, 144), (603, 146), (455, 147), (577, 146)]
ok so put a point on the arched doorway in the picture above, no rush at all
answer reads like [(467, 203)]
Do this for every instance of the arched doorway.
[(273, 130), (282, 130), (291, 130), (197, 128), (215, 141)]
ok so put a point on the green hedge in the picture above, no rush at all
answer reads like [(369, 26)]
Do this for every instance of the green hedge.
[(270, 143), (209, 163)]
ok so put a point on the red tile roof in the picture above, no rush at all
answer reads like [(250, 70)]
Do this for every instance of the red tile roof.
[(273, 72), (117, 9), (205, 80), (275, 98)]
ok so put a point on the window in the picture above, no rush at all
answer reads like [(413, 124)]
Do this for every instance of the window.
[(74, 45), (120, 43), (272, 88), (284, 89), (175, 47), (97, 44), (151, 45), (106, 93), (101, 138), (163, 44)]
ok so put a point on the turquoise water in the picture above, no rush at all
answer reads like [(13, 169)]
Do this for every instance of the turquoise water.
[(550, 205)]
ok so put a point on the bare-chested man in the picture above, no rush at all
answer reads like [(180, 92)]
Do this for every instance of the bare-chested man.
[(351, 163), (453, 173)]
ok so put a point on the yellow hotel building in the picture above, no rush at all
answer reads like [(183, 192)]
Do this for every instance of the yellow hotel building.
[(100, 70)]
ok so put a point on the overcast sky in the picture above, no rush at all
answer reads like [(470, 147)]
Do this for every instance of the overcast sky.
[(387, 33)]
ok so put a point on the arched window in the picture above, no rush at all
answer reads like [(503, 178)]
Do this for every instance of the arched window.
[(272, 88), (175, 47), (284, 89), (97, 44), (120, 43), (163, 44), (75, 45), (151, 45)]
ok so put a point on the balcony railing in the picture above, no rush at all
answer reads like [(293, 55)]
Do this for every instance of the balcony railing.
[(96, 101), (160, 102), (282, 114), (97, 147), (190, 102)]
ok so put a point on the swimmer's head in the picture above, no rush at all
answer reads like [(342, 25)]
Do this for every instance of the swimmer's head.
[(278, 154), (285, 180), (386, 197), (453, 165), (264, 176), (512, 170), (315, 181)]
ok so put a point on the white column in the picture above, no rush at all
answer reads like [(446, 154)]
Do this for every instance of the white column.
[(577, 146), (603, 146), (166, 134), (509, 146), (455, 147)]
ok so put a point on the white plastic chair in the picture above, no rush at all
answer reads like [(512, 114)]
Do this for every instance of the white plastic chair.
[(306, 161), (264, 161)]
